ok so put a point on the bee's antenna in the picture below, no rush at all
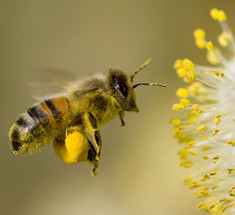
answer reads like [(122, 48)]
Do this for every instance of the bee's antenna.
[(139, 69), (149, 84)]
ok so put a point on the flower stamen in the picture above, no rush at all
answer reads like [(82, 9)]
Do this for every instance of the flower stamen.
[(208, 130)]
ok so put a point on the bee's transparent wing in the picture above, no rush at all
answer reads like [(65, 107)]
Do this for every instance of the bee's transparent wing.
[(50, 82)]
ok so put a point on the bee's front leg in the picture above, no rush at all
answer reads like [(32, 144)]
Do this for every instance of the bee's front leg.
[(96, 134), (121, 115)]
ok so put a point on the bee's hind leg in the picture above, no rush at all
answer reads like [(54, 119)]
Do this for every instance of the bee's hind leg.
[(92, 158)]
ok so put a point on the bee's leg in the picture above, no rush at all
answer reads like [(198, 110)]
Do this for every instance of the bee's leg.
[(91, 155), (92, 158), (121, 115), (96, 134)]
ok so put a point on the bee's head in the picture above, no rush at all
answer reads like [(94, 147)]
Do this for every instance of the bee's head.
[(122, 89)]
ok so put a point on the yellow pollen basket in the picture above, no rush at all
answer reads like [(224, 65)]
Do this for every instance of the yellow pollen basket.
[(75, 148)]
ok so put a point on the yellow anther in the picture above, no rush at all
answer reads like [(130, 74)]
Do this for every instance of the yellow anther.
[(205, 177), (178, 134), (205, 157), (199, 110), (218, 15), (212, 58), (196, 108), (190, 145), (212, 206), (175, 122), (182, 93), (187, 79), (201, 128), (217, 121), (203, 189), (182, 72), (218, 73), (188, 64), (178, 64), (209, 46), (203, 136), (202, 192), (218, 115), (214, 187), (232, 194), (223, 39), (215, 131), (193, 153), (194, 184), (200, 43), (178, 107), (224, 208), (186, 164), (192, 75), (215, 159), (225, 200), (222, 200), (199, 194), (199, 34), (183, 154), (221, 74), (188, 180), (177, 131), (230, 170), (222, 16), (230, 142), (214, 13), (212, 173), (184, 102), (202, 207)]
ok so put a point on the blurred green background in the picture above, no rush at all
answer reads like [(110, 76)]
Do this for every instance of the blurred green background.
[(139, 172)]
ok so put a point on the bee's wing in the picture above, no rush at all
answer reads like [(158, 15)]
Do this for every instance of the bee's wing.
[(50, 82)]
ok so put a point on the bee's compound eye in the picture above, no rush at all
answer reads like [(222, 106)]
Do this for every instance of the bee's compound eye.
[(123, 88)]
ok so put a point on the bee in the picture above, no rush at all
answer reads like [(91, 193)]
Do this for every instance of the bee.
[(71, 119)]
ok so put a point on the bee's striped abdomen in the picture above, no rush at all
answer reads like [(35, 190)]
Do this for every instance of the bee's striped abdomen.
[(37, 126)]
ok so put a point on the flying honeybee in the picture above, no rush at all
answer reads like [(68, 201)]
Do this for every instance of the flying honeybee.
[(67, 120)]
